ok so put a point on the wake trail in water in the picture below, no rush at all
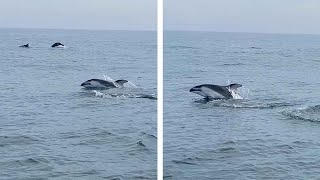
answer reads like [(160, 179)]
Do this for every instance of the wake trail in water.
[(107, 78), (128, 94), (309, 113), (236, 103)]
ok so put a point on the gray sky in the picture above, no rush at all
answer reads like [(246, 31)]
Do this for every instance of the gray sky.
[(266, 16), (79, 14)]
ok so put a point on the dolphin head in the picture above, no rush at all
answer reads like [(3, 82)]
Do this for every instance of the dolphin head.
[(87, 83), (196, 88)]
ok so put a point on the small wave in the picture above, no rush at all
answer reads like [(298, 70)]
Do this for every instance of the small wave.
[(140, 143), (167, 176), (238, 52), (310, 113), (254, 47), (83, 133), (149, 135), (17, 140), (137, 148), (233, 64), (85, 173), (229, 142), (32, 161), (188, 161), (209, 155), (283, 146), (146, 96), (226, 149), (114, 177), (182, 47)]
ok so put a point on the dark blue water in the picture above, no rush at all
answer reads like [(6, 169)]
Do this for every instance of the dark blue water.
[(273, 133), (53, 128)]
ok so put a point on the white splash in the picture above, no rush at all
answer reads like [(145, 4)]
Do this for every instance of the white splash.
[(235, 94), (128, 84), (240, 93), (245, 92), (107, 78), (100, 94)]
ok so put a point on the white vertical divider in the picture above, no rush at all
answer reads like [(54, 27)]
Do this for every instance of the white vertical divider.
[(160, 89)]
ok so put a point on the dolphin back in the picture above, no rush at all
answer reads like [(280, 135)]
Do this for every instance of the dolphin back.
[(26, 45), (104, 82), (212, 91), (57, 44)]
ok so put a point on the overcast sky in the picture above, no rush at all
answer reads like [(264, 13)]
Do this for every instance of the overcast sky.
[(79, 14), (266, 16)]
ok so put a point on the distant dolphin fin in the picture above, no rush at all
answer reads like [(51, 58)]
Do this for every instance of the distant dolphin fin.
[(121, 82), (234, 87)]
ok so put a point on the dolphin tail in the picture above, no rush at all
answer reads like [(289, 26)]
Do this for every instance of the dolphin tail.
[(234, 87)]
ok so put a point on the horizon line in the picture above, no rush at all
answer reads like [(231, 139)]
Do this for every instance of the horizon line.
[(165, 30), (244, 32), (78, 29)]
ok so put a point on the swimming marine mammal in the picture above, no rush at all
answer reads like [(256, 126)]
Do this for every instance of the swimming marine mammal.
[(103, 84), (211, 91), (25, 45), (57, 44)]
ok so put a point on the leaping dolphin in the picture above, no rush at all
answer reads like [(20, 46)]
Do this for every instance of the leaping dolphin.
[(210, 91), (103, 84), (57, 44)]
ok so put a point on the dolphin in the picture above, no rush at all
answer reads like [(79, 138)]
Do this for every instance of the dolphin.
[(26, 45), (57, 44), (103, 84), (210, 91)]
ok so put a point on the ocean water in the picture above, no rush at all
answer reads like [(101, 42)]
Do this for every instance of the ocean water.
[(272, 133), (52, 128)]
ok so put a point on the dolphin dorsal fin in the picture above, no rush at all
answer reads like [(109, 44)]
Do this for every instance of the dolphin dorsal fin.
[(121, 82), (234, 86)]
